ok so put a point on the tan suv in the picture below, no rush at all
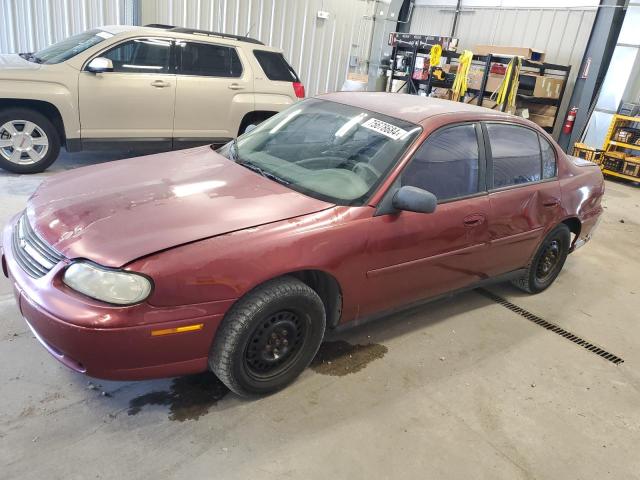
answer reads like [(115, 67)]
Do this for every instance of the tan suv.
[(124, 86)]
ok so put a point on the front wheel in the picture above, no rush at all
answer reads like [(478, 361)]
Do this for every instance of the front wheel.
[(29, 142), (547, 262), (268, 337)]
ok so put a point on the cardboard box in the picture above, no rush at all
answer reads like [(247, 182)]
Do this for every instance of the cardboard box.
[(547, 87), (474, 80), (486, 102), (528, 53), (542, 120), (538, 109)]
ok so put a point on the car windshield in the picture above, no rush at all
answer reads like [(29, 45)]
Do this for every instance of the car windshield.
[(70, 47), (326, 150)]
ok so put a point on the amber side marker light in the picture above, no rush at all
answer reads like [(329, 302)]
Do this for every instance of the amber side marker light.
[(169, 331)]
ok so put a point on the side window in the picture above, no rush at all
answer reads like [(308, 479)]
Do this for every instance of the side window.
[(447, 164), (516, 154), (143, 55), (275, 67), (208, 60), (548, 159)]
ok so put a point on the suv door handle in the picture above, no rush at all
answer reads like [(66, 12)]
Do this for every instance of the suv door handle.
[(236, 86), (474, 220), (552, 202), (160, 84)]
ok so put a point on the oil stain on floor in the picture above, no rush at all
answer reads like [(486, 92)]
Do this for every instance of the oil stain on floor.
[(189, 398), (340, 358)]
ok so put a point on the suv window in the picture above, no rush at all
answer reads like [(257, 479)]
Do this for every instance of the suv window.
[(275, 67), (208, 60), (70, 47), (548, 159), (516, 154), (447, 163), (142, 55)]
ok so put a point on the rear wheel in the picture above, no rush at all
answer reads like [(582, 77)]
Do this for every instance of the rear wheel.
[(29, 142), (547, 262), (268, 337)]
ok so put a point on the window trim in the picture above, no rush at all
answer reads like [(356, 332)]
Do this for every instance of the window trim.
[(108, 48), (541, 139), (482, 163), (489, 157), (178, 64)]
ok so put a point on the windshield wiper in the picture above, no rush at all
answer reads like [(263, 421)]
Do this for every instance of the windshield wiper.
[(264, 173)]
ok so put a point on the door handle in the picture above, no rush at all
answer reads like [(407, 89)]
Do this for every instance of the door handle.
[(474, 220), (160, 84), (553, 202), (236, 86)]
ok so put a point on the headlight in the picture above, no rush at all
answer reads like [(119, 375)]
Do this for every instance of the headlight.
[(112, 286)]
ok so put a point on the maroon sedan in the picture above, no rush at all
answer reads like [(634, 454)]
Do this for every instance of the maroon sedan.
[(339, 209)]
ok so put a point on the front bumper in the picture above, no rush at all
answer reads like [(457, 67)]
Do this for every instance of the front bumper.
[(110, 342)]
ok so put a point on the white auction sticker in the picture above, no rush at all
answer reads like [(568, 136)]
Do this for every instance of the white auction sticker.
[(384, 128)]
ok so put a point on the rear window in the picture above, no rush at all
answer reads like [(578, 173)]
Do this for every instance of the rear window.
[(275, 66)]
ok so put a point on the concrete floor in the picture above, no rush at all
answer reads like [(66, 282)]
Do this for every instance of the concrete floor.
[(463, 388)]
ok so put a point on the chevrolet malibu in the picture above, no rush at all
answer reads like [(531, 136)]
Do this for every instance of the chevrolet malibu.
[(340, 209)]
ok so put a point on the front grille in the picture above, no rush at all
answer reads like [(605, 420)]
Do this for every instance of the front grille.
[(32, 253)]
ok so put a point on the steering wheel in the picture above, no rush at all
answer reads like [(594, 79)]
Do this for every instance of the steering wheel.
[(368, 172)]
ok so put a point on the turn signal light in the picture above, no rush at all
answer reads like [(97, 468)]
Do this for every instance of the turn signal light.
[(169, 331)]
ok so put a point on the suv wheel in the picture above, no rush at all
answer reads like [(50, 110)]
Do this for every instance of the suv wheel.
[(268, 337), (29, 142)]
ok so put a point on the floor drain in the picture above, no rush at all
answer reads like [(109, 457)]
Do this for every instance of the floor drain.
[(551, 326)]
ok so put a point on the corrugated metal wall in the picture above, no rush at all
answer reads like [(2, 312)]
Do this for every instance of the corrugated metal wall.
[(562, 33), (30, 25), (320, 50)]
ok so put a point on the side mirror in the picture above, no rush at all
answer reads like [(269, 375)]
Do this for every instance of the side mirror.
[(251, 127), (414, 199), (100, 65)]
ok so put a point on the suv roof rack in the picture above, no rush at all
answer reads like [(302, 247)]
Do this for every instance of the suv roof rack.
[(193, 31), (160, 25)]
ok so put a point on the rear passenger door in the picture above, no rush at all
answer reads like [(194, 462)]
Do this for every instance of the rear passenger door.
[(524, 193), (214, 92)]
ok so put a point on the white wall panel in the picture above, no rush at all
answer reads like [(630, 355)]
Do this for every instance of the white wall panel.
[(30, 25), (320, 50)]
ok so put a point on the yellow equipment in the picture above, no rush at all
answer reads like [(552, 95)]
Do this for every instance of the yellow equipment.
[(459, 87), (512, 75), (434, 55)]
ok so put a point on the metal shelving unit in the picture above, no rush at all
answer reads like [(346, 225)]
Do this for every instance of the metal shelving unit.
[(619, 166), (419, 47)]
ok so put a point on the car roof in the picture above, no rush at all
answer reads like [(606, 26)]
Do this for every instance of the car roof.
[(411, 108)]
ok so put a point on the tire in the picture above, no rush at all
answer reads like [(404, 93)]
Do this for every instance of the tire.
[(547, 262), (17, 120), (245, 354)]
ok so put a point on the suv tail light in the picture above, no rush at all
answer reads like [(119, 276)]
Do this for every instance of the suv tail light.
[(298, 88)]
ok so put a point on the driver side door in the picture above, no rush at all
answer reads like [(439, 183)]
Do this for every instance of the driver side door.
[(415, 256), (134, 102)]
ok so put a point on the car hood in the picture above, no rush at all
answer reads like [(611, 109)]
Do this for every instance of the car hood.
[(119, 211), (14, 62)]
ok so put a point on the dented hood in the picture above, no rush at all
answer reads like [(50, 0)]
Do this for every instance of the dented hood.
[(119, 211)]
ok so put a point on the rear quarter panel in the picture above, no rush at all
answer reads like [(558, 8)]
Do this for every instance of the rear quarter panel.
[(582, 191)]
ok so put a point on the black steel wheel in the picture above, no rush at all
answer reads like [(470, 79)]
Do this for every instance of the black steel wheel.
[(275, 344), (547, 262), (268, 337)]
